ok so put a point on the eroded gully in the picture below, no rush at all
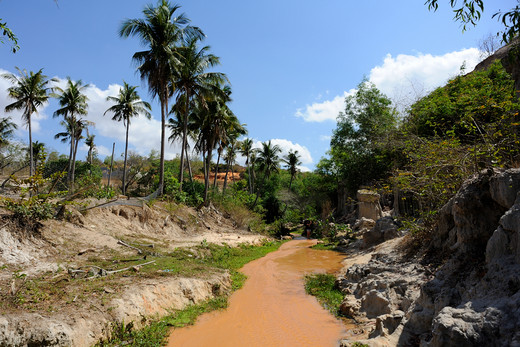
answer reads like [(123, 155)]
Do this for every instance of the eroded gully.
[(272, 309)]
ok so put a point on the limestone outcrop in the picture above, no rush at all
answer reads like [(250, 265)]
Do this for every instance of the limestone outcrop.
[(472, 298)]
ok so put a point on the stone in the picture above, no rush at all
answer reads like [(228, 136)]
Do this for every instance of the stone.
[(385, 229), (374, 304), (368, 204)]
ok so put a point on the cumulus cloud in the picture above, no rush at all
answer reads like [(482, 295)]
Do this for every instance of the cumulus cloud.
[(403, 78), (286, 146), (324, 111)]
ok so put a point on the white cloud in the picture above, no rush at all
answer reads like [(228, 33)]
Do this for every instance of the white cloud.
[(324, 111), (403, 78), (286, 146), (144, 134)]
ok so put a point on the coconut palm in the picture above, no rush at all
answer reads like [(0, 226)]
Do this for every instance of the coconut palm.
[(176, 126), (192, 81), (292, 160), (31, 91), (161, 31), (7, 128), (73, 105), (246, 148), (89, 141), (128, 104), (268, 159)]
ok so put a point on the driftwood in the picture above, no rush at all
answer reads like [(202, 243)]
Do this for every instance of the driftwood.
[(139, 251), (93, 271)]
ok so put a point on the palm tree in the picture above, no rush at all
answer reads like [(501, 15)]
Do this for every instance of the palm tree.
[(30, 90), (161, 31), (231, 155), (292, 160), (246, 148), (176, 126), (73, 104), (268, 158), (192, 81), (7, 128), (128, 104), (89, 141)]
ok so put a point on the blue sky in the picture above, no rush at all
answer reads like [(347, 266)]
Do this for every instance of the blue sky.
[(290, 63)]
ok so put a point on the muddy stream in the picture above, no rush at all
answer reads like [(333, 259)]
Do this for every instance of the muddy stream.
[(272, 309)]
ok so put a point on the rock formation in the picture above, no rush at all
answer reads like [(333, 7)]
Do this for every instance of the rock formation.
[(473, 298)]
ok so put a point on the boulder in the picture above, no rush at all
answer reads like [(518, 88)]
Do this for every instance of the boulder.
[(384, 229), (368, 204)]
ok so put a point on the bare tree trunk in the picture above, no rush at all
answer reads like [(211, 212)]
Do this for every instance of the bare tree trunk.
[(111, 165), (225, 177), (184, 138), (206, 176), (164, 110), (31, 159), (189, 164), (123, 190), (216, 171), (249, 176)]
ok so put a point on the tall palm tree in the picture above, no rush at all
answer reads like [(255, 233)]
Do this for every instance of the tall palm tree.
[(246, 148), (73, 105), (292, 160), (176, 126), (7, 128), (192, 81), (268, 159), (162, 30), (30, 90), (89, 141), (128, 104)]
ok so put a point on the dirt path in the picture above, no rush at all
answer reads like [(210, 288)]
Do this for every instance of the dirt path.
[(272, 308)]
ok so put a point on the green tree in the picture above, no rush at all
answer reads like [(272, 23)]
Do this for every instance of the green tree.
[(192, 80), (162, 30), (73, 105), (246, 148), (10, 36), (31, 91), (127, 105), (469, 12), (292, 160), (7, 128), (358, 154)]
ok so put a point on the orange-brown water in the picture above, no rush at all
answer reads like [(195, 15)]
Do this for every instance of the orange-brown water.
[(272, 308)]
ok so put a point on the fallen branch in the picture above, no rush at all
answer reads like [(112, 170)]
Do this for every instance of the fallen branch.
[(96, 271), (139, 251)]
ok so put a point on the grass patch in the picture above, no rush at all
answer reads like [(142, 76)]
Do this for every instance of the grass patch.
[(323, 287), (156, 333), (197, 260), (326, 246)]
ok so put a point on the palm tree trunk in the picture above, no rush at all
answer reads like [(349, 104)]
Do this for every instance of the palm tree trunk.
[(184, 138), (31, 159), (124, 165), (206, 176), (189, 164), (71, 154), (216, 171), (249, 176), (164, 108), (225, 177), (290, 182), (74, 163)]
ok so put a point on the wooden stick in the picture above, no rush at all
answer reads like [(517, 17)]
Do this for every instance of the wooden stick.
[(129, 246)]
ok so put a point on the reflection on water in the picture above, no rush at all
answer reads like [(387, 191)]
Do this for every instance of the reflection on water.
[(272, 308)]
